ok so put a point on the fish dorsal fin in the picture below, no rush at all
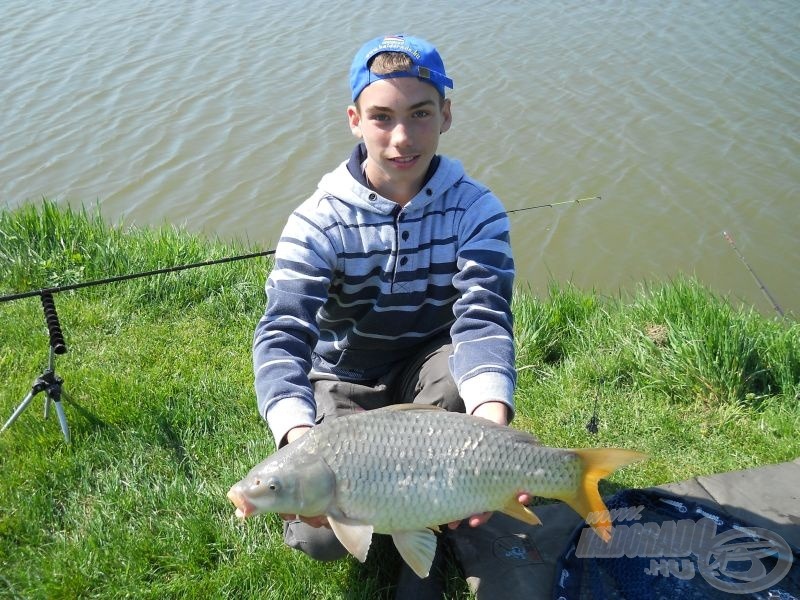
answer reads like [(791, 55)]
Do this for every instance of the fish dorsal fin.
[(514, 509), (411, 406), (355, 537), (417, 548)]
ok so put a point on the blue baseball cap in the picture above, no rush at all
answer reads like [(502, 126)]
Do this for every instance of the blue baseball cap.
[(426, 63)]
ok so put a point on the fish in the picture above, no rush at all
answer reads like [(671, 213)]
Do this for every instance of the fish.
[(407, 469)]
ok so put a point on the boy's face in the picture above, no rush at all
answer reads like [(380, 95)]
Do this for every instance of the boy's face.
[(399, 120)]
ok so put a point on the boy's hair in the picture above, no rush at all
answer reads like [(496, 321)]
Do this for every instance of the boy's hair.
[(390, 62)]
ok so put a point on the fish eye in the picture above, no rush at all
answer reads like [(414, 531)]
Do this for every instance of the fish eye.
[(273, 485)]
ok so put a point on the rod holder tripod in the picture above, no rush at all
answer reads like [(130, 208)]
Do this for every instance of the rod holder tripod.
[(48, 382)]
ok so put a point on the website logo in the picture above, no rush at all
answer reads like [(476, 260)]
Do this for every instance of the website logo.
[(737, 561)]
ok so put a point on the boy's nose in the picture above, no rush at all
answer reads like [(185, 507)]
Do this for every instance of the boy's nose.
[(400, 135)]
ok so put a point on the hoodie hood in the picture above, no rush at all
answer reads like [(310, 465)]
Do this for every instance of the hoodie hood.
[(348, 183)]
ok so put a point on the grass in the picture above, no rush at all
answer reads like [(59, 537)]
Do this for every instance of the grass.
[(159, 398)]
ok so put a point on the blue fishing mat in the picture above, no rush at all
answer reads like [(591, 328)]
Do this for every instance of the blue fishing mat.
[(665, 546)]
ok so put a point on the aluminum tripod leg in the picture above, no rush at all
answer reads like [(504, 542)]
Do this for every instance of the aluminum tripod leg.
[(22, 406), (62, 418)]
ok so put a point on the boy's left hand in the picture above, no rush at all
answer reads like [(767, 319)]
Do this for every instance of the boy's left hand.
[(478, 520), (492, 410)]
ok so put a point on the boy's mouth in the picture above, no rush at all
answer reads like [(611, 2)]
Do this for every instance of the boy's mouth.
[(405, 161)]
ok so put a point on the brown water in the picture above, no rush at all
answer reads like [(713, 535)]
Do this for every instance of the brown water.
[(684, 117)]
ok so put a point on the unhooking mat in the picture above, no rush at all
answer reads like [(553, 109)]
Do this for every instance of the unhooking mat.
[(666, 547), (508, 559)]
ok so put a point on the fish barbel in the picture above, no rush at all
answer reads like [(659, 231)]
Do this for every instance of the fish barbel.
[(406, 469)]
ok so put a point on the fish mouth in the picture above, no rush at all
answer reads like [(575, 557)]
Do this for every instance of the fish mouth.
[(244, 508)]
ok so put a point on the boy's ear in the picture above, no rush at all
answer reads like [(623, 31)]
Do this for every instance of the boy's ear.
[(355, 120), (447, 116)]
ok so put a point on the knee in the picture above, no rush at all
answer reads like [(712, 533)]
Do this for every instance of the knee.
[(452, 401), (441, 391), (319, 543)]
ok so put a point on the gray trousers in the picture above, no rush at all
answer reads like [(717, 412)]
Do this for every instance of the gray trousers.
[(425, 379)]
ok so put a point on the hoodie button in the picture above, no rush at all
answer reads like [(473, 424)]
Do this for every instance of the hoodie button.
[(372, 196), (405, 235), (403, 261), (429, 191)]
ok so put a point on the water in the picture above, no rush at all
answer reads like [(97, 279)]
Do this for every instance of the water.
[(684, 117)]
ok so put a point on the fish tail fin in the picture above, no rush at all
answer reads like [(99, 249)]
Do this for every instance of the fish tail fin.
[(586, 501)]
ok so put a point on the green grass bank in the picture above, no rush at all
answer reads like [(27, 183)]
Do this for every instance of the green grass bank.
[(159, 399)]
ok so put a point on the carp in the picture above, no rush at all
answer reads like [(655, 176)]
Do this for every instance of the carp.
[(404, 470)]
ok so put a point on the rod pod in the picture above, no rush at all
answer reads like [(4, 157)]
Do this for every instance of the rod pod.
[(48, 382)]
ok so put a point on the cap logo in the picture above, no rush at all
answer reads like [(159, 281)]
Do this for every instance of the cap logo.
[(398, 43)]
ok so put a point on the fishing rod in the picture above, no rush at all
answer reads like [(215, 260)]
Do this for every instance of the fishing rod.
[(85, 284), (552, 204), (757, 279)]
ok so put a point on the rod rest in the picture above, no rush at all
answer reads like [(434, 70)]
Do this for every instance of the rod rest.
[(53, 326)]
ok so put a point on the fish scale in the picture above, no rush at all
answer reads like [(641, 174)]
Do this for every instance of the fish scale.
[(404, 470)]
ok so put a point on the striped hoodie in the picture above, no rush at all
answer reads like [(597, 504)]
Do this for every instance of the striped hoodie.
[(359, 283)]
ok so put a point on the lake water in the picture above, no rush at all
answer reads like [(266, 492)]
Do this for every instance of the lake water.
[(222, 116)]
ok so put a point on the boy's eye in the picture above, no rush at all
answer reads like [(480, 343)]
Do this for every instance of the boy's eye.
[(421, 114)]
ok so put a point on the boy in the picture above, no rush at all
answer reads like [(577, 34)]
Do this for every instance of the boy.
[(392, 283)]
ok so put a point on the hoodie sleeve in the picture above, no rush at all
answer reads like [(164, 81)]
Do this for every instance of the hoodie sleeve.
[(483, 345), (284, 338)]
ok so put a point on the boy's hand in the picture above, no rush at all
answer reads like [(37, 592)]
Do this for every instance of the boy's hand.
[(478, 520), (321, 521), (296, 432), (494, 411)]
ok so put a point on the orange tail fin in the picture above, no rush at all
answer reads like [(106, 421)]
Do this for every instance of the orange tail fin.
[(597, 464)]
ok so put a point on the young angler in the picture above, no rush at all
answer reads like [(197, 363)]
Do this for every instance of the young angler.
[(392, 283)]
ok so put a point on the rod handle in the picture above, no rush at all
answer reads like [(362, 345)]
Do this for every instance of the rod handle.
[(53, 326)]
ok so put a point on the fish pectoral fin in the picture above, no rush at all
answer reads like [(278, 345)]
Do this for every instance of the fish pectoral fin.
[(417, 548), (355, 537), (520, 512)]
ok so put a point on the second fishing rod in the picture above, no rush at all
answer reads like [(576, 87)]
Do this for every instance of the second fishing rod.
[(206, 263)]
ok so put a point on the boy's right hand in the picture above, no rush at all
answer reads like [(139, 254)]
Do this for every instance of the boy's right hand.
[(295, 433), (321, 521)]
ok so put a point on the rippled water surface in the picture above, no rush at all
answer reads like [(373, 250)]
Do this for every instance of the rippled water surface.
[(684, 117)]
